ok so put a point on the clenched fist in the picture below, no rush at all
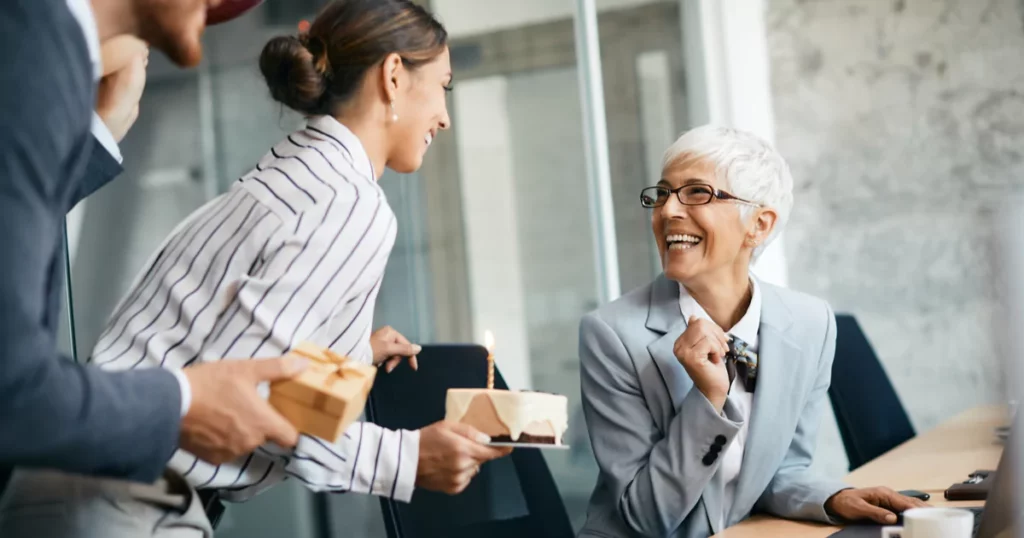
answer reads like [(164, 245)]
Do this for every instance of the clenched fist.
[(701, 350)]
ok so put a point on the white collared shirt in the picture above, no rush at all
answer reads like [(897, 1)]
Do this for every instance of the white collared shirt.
[(747, 330), (295, 251)]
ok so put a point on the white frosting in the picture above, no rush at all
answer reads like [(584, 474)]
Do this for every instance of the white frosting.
[(516, 410)]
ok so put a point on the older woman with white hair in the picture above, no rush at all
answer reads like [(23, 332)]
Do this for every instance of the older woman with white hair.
[(703, 390)]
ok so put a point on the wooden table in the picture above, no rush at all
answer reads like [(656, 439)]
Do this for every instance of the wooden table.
[(929, 462)]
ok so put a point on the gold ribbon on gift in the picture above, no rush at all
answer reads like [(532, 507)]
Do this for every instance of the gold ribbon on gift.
[(327, 396), (321, 355), (331, 364)]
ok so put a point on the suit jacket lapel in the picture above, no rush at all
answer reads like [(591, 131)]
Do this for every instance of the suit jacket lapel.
[(664, 317), (781, 380)]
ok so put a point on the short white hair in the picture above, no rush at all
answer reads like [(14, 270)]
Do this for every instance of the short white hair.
[(749, 166)]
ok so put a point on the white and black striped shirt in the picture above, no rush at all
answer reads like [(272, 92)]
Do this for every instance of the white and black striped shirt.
[(294, 251)]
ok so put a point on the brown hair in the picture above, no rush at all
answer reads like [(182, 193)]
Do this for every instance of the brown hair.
[(315, 72)]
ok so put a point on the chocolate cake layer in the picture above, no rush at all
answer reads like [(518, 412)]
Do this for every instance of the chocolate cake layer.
[(525, 439)]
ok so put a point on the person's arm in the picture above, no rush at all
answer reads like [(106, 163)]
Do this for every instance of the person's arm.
[(54, 413), (367, 459), (58, 414), (657, 477), (794, 492), (310, 276)]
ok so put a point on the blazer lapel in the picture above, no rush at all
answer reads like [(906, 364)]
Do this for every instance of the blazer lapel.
[(781, 380), (664, 317)]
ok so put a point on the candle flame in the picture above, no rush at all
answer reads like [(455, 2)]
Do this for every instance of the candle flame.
[(489, 341)]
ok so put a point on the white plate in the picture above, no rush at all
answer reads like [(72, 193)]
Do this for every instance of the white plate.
[(530, 445)]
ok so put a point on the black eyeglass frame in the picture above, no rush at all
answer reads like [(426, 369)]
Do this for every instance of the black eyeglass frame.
[(715, 194)]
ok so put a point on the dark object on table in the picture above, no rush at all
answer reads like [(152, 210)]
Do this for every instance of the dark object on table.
[(975, 488), (511, 497), (869, 414), (916, 494)]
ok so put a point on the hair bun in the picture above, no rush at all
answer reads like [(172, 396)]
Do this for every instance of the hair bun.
[(318, 48), (321, 69), (292, 74)]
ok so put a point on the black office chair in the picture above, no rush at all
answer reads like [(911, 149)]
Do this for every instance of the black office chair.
[(512, 497), (868, 411)]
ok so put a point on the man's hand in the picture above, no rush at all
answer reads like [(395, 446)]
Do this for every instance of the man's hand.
[(228, 418), (701, 350), (389, 345), (120, 90), (879, 504), (119, 51), (450, 456)]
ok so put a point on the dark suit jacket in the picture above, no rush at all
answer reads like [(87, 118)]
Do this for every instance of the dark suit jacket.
[(53, 412)]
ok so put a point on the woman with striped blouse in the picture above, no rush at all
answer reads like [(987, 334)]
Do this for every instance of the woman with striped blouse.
[(295, 251)]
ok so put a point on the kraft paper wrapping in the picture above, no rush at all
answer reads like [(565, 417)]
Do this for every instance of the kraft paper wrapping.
[(325, 398)]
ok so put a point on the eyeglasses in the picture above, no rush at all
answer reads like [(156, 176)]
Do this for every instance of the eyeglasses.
[(691, 194)]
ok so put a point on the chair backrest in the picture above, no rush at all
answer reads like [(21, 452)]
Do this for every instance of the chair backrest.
[(511, 497), (871, 418)]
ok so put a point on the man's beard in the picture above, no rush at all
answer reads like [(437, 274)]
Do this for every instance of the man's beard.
[(173, 29)]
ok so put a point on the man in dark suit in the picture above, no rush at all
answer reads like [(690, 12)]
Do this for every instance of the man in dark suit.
[(55, 413)]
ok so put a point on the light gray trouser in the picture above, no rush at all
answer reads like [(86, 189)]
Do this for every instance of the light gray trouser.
[(51, 504)]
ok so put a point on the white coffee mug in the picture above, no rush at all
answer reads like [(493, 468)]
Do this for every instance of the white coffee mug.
[(933, 523)]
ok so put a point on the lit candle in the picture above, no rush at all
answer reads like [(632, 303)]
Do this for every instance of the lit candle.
[(489, 344)]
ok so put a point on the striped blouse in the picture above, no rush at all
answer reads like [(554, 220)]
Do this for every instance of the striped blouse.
[(294, 251)]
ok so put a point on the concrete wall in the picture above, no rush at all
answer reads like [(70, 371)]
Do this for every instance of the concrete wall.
[(903, 121)]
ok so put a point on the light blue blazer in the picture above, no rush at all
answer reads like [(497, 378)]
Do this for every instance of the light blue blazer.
[(652, 431)]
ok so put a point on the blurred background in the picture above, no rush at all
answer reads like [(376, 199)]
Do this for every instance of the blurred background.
[(903, 121)]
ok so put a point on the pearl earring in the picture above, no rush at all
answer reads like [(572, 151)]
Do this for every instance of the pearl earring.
[(394, 115)]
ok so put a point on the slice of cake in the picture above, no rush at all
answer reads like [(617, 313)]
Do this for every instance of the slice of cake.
[(511, 416)]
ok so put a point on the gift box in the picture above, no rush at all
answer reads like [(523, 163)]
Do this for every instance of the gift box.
[(327, 396)]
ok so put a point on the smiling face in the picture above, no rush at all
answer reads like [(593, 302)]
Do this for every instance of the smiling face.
[(699, 243), (422, 108)]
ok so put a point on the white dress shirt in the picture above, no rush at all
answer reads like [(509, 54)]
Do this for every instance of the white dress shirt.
[(746, 329), (295, 251)]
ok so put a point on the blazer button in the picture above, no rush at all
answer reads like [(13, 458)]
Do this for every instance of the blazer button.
[(715, 449), (709, 459), (720, 440)]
